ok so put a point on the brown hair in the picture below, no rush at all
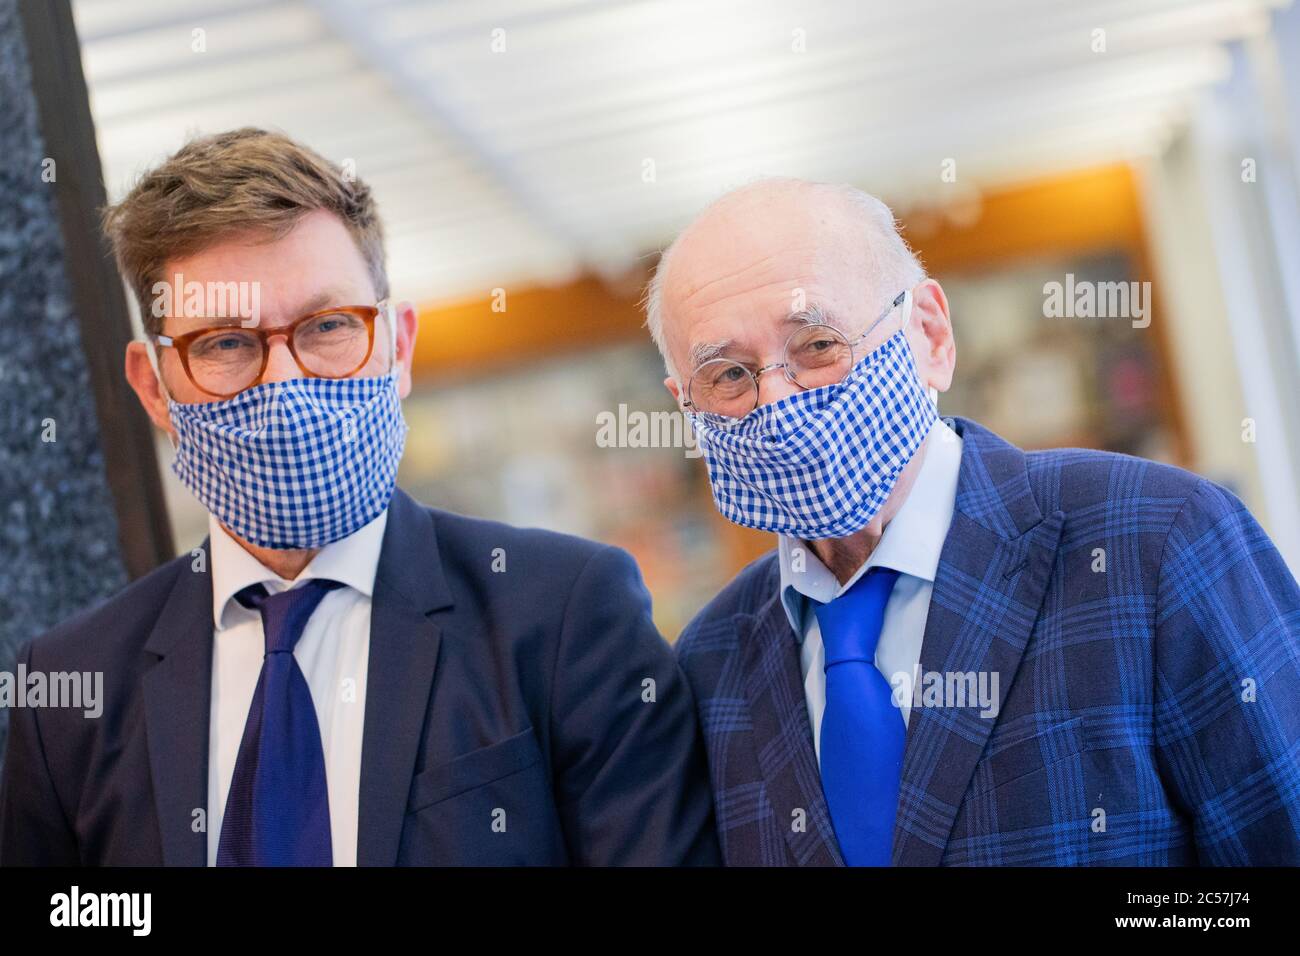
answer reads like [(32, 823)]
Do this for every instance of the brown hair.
[(228, 183)]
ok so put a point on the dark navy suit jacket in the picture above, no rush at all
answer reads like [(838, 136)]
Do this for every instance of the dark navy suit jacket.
[(519, 698), (1149, 713)]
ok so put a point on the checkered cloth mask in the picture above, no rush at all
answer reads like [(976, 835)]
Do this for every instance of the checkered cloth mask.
[(296, 463), (821, 463)]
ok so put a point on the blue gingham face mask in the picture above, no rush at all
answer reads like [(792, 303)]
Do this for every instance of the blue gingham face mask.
[(821, 463), (296, 463)]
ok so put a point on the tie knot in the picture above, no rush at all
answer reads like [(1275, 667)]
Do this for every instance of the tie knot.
[(284, 615), (850, 625)]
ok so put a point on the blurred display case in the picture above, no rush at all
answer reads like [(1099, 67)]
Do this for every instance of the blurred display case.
[(527, 447), (1044, 380)]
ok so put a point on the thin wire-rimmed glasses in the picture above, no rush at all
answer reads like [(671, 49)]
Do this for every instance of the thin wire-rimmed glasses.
[(814, 355), (223, 360)]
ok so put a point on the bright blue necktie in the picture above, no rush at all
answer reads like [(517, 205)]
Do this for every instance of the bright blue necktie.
[(277, 811), (862, 733)]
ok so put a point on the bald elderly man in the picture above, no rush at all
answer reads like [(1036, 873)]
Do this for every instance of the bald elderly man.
[(932, 666)]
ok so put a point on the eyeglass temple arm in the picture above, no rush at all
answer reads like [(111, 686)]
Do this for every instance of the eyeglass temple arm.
[(898, 300), (389, 312)]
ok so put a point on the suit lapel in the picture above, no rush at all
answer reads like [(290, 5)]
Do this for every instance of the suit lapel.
[(993, 572), (782, 736), (409, 585), (177, 698)]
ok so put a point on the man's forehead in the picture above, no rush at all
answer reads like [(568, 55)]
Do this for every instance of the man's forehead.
[(792, 291), (773, 278), (313, 265), (198, 303), (717, 263)]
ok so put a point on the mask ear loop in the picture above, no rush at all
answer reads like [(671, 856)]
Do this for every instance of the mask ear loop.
[(152, 349), (390, 313), (907, 320)]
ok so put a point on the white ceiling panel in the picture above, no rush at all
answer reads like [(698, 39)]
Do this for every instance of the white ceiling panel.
[(508, 141)]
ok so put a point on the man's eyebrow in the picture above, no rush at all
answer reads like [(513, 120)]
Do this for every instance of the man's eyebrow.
[(705, 351), (320, 300), (812, 315)]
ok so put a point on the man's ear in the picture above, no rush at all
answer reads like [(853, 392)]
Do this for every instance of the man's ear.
[(931, 335), (671, 384), (140, 375), (408, 325)]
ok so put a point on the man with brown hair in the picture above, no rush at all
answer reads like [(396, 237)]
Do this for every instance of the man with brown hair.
[(339, 675)]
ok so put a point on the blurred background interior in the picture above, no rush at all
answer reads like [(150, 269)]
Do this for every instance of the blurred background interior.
[(547, 149)]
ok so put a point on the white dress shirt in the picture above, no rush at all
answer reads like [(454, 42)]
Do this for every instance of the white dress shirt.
[(333, 653), (910, 544)]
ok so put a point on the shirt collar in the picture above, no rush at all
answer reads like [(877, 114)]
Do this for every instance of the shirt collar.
[(352, 561), (910, 544)]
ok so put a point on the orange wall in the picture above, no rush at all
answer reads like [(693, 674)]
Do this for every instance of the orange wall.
[(1081, 212)]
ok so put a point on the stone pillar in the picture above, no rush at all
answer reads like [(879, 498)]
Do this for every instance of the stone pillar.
[(64, 543)]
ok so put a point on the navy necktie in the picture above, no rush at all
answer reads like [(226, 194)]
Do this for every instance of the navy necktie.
[(277, 811), (862, 733)]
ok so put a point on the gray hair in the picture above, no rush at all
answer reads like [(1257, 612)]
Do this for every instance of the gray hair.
[(892, 264)]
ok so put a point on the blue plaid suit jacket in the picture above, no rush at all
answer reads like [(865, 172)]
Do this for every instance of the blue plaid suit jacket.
[(1149, 714)]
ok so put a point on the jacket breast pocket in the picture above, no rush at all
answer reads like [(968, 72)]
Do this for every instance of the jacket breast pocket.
[(474, 769), (1020, 756), (490, 807)]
